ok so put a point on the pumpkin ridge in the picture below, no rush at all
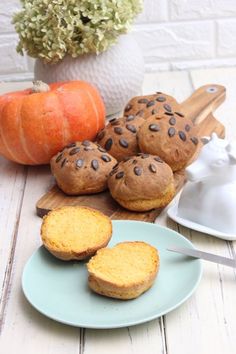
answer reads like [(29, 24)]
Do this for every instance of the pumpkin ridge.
[(3, 146), (65, 124), (95, 109), (49, 148), (101, 112), (22, 135), (2, 139), (9, 149), (45, 145)]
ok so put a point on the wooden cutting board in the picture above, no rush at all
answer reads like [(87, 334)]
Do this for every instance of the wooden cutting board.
[(199, 108)]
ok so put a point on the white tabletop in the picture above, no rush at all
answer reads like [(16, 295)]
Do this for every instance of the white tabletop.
[(204, 324)]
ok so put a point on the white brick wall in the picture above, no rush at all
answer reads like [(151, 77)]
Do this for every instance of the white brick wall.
[(173, 34)]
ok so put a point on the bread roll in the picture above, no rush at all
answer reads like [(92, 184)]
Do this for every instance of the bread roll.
[(82, 168), (142, 183), (119, 137), (172, 137)]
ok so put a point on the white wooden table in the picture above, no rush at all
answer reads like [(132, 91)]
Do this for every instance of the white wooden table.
[(205, 324)]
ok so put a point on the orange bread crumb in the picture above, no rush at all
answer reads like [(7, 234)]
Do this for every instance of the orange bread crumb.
[(124, 271), (75, 232)]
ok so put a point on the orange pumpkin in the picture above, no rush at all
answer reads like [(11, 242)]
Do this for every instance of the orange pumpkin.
[(37, 123)]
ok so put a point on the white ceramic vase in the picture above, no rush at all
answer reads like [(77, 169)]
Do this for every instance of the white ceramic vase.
[(117, 73)]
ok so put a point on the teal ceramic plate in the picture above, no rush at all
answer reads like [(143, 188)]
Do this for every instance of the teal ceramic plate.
[(59, 289)]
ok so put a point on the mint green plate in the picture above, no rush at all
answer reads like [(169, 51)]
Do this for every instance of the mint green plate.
[(59, 289)]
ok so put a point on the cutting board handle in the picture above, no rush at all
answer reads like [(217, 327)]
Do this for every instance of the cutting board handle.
[(203, 102)]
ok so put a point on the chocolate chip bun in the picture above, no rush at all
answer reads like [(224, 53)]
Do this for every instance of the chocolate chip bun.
[(146, 106), (142, 183), (172, 137), (82, 168), (119, 137)]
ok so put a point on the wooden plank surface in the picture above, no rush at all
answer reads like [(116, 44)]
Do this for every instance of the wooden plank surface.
[(205, 323), (12, 185)]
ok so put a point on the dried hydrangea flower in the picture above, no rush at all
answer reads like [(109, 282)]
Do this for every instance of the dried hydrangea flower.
[(50, 29)]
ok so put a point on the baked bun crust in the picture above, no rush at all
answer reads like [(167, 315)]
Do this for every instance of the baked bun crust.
[(119, 137), (142, 183), (148, 105), (171, 137), (82, 168), (75, 232), (124, 271)]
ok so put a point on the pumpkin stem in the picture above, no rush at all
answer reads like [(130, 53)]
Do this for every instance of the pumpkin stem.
[(40, 86)]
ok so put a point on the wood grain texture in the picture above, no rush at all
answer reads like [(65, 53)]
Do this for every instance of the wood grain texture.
[(12, 185), (198, 107)]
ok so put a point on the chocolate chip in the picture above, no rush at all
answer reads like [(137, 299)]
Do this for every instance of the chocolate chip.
[(167, 107), (182, 135), (108, 144), (161, 99), (150, 103), (101, 149), (86, 143), (74, 151), (134, 162), (128, 107), (154, 127), (131, 128), (59, 157), (106, 158), (194, 140), (79, 163), (70, 145), (169, 113), (118, 130), (137, 171), (88, 148), (158, 159), (123, 143), (143, 100), (154, 111), (187, 128), (101, 135), (140, 113), (171, 132), (152, 168), (179, 114), (63, 162), (129, 118), (172, 121), (120, 175), (95, 165)]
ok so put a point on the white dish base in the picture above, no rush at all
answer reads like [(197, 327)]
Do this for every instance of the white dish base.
[(173, 214)]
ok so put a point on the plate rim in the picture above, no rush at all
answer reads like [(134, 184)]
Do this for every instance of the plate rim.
[(172, 213), (124, 324)]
